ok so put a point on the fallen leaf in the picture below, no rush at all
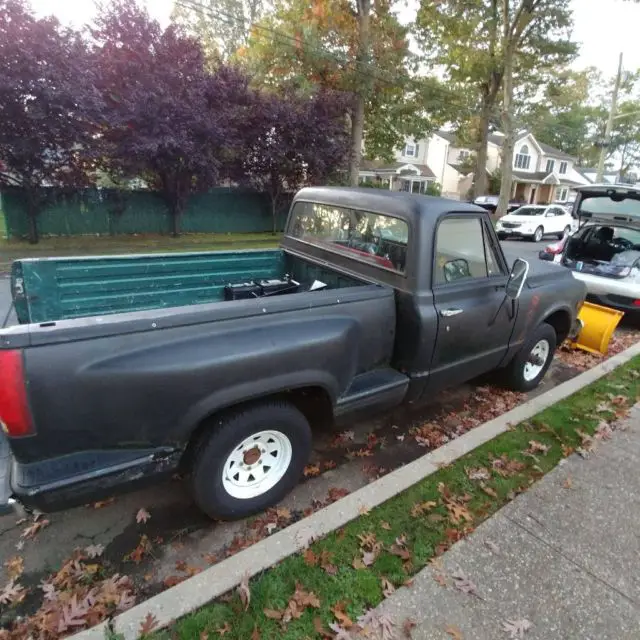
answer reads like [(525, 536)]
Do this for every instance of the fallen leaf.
[(149, 623), (568, 483), (224, 630), (319, 628), (255, 634), (283, 513), (458, 512), (12, 593), (488, 490), (538, 447), (462, 583), (368, 558), (385, 525), (567, 450), (310, 558), (400, 438), (347, 436), (94, 550), (210, 558), (440, 579), (435, 517), (311, 470), (408, 626), (34, 528), (363, 453), (340, 632), (340, 614), (618, 400), (505, 467), (492, 546), (142, 516), (335, 493), (454, 632), (326, 564), (244, 592), (420, 508), (516, 628), (478, 473), (15, 567), (172, 581), (100, 504), (271, 527), (358, 563), (273, 614), (364, 510), (603, 431), (387, 587)]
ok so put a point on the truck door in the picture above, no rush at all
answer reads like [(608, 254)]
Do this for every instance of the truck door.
[(469, 279)]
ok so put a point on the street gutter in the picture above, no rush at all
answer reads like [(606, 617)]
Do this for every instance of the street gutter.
[(208, 585)]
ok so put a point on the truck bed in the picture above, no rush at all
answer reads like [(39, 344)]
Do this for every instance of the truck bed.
[(52, 289)]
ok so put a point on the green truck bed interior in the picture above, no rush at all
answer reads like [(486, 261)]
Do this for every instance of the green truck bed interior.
[(50, 289)]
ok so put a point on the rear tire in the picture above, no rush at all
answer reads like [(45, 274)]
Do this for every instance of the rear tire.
[(251, 459), (538, 235), (530, 364)]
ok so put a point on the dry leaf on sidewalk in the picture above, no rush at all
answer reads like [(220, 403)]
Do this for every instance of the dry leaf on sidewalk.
[(454, 632), (462, 583), (142, 516), (516, 628)]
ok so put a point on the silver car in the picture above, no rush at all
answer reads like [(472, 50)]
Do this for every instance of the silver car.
[(605, 251)]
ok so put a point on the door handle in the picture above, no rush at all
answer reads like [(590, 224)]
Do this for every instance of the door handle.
[(449, 313)]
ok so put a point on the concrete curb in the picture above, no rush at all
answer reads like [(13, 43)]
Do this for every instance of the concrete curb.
[(224, 576)]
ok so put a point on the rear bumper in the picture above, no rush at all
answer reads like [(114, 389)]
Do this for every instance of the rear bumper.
[(618, 294)]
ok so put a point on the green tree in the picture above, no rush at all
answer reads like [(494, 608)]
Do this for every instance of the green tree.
[(221, 26), (323, 44), (476, 42)]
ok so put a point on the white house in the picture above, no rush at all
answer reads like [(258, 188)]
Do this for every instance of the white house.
[(541, 173)]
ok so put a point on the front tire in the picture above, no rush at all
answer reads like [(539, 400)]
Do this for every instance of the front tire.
[(251, 459), (538, 235), (566, 232), (530, 364)]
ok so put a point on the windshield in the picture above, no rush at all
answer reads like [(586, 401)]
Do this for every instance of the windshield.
[(605, 205), (528, 211)]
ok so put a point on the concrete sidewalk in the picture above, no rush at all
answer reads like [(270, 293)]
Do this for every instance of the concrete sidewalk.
[(564, 556)]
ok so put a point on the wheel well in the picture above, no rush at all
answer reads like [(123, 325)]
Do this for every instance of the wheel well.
[(313, 402), (561, 322)]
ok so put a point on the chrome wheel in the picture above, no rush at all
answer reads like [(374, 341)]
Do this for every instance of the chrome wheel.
[(536, 361), (257, 464), (538, 234)]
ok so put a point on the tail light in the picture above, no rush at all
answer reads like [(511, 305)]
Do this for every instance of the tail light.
[(636, 303), (15, 416)]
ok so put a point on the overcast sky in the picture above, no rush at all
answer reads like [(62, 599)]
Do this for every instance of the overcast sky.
[(603, 27)]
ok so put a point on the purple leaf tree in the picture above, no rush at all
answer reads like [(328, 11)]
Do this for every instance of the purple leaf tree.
[(168, 120), (297, 141), (49, 106)]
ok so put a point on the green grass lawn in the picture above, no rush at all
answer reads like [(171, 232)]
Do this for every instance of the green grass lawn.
[(109, 245), (426, 519)]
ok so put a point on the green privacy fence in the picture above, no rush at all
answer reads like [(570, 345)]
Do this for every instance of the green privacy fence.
[(115, 212)]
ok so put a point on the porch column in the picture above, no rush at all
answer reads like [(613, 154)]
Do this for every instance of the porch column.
[(390, 183)]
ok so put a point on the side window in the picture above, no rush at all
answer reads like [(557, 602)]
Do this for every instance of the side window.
[(460, 251)]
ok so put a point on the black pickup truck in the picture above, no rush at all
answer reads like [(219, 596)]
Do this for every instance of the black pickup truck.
[(388, 297)]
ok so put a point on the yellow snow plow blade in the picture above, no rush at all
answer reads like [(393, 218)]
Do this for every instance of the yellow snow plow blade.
[(599, 323)]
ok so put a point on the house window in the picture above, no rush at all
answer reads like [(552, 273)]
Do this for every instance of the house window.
[(550, 165), (463, 154), (563, 167), (411, 150), (563, 195), (523, 159)]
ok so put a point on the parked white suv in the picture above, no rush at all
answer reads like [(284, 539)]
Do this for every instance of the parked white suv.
[(536, 221)]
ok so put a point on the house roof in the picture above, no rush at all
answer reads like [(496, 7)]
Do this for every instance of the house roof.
[(458, 168), (547, 149), (377, 167), (447, 135), (552, 151)]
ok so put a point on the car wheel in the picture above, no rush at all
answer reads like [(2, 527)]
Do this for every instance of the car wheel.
[(530, 364), (566, 232), (538, 235), (502, 236), (250, 460)]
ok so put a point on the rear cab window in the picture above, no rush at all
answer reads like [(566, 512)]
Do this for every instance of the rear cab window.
[(375, 238)]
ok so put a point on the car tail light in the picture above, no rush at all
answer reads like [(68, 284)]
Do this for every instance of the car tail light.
[(15, 416), (636, 303)]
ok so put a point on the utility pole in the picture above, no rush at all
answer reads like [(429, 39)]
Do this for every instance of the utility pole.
[(612, 116)]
